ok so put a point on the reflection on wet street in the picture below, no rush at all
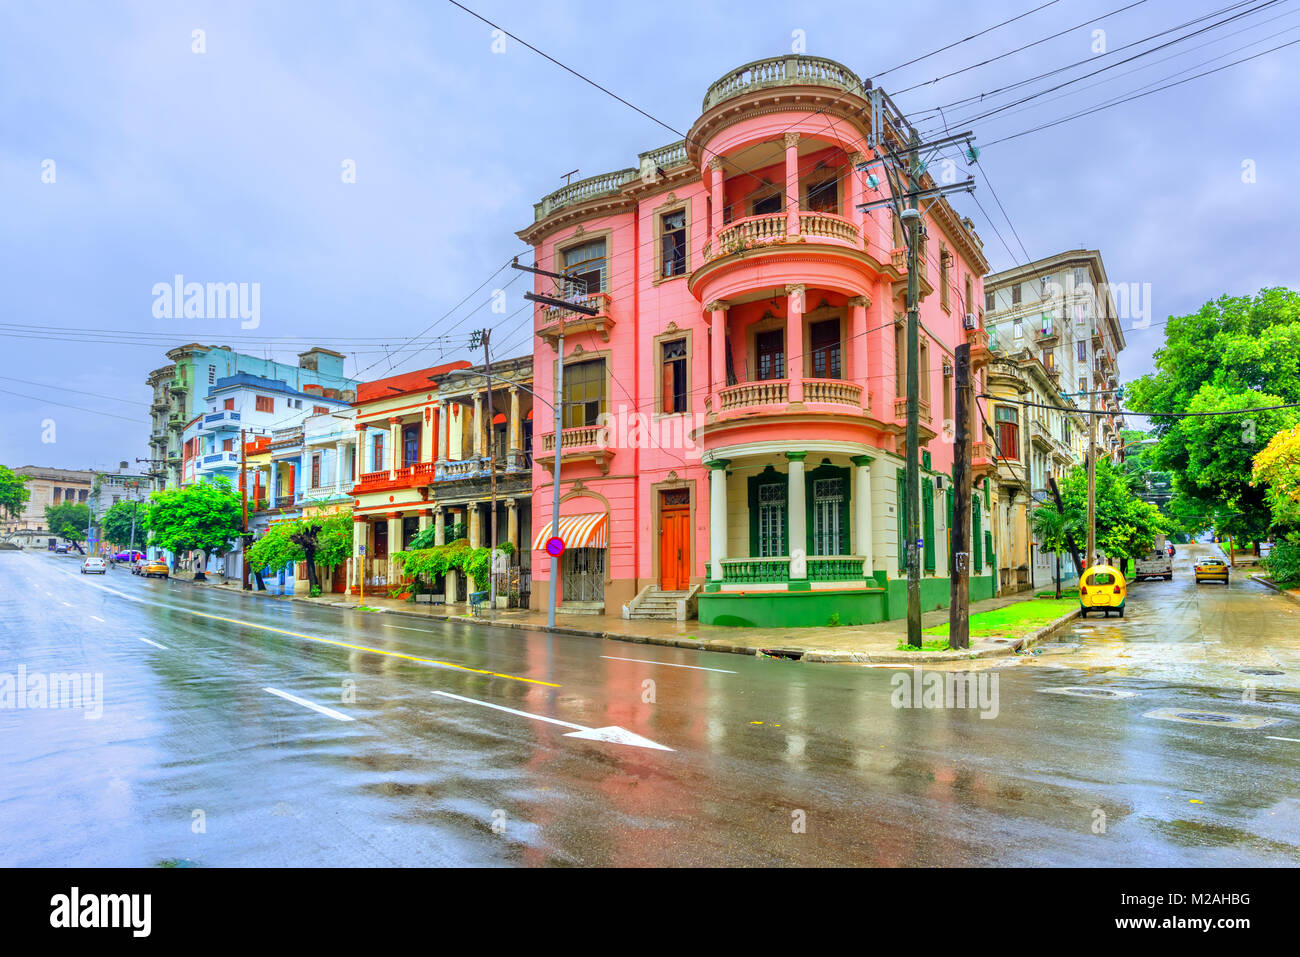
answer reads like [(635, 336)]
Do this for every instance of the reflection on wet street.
[(248, 731)]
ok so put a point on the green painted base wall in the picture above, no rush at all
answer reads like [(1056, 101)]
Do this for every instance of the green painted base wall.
[(812, 609)]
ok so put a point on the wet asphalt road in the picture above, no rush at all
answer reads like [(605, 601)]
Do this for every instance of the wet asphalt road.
[(193, 761)]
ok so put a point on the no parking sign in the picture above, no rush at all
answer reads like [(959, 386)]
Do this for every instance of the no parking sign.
[(555, 546)]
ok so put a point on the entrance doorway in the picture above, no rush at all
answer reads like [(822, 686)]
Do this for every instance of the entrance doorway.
[(583, 574), (675, 540)]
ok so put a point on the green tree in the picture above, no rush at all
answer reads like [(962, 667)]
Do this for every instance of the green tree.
[(1126, 525), (324, 540), (68, 520), (204, 517), (116, 523), (14, 493), (1233, 353)]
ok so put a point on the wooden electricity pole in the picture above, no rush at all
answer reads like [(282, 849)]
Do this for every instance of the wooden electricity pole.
[(912, 517), (959, 551), (243, 497)]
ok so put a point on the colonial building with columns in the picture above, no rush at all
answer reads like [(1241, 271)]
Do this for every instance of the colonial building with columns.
[(396, 436), (734, 412), (487, 422)]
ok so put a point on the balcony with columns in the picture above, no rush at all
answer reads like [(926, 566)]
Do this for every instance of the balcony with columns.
[(485, 421)]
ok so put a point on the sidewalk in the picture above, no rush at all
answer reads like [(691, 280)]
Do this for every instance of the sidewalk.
[(876, 643)]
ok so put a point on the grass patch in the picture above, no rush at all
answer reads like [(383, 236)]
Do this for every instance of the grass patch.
[(1013, 621), (933, 644)]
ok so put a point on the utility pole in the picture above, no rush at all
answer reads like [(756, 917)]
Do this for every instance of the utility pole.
[(243, 496), (484, 335), (905, 173), (959, 553), (135, 507), (912, 222), (564, 306), (1091, 557)]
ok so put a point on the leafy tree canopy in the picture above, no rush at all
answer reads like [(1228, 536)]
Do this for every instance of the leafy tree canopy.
[(1126, 525), (205, 516), (116, 523), (14, 493), (68, 520), (1234, 353)]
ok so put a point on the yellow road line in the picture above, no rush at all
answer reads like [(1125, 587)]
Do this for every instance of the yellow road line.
[(374, 651)]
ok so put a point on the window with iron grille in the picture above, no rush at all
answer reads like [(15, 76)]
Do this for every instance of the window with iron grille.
[(771, 519), (828, 503)]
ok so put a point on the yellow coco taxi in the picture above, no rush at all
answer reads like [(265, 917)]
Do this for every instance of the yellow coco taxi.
[(1102, 588)]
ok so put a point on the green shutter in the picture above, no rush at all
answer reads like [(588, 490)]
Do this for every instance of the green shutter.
[(948, 525), (769, 476), (826, 470), (901, 481), (976, 540), (988, 550), (927, 523)]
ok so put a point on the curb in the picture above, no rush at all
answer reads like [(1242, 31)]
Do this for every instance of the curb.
[(1264, 581), (1008, 649)]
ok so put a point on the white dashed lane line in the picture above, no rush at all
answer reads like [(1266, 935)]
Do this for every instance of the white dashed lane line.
[(154, 643), (329, 712), (668, 664)]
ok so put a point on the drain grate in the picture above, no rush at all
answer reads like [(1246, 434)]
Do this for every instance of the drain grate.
[(1075, 692), (1261, 671), (1219, 719)]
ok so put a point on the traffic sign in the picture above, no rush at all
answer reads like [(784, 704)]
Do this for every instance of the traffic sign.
[(555, 546)]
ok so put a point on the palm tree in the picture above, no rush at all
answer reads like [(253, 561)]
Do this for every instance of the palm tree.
[(1053, 530)]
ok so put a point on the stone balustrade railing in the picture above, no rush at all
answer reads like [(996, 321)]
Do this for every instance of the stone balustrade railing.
[(766, 392), (792, 70), (573, 438), (746, 233), (584, 189), (828, 226), (833, 391)]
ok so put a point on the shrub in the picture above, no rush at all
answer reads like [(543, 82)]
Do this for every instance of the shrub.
[(1283, 562)]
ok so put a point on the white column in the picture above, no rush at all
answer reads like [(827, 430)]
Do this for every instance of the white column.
[(338, 467), (270, 485), (717, 515), (359, 451), (516, 443), (444, 429), (394, 440), (440, 527), (795, 507), (862, 510), (512, 523)]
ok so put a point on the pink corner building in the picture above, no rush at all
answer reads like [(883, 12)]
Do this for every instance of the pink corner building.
[(733, 414)]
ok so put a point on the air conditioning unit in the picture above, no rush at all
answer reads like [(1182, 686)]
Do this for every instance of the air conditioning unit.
[(969, 321)]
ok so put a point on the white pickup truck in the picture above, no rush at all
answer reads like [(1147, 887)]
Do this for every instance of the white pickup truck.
[(1156, 563)]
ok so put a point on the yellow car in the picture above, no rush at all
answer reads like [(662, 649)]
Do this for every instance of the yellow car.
[(154, 568), (1211, 569), (1102, 588)]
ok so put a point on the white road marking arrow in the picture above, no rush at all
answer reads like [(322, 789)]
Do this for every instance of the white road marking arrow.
[(328, 712), (611, 735)]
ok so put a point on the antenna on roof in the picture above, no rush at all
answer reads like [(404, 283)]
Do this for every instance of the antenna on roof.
[(568, 177)]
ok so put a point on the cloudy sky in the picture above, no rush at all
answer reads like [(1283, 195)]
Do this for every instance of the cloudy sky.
[(227, 165)]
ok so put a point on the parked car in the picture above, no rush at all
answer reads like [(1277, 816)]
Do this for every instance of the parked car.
[(94, 565), (63, 549), (1102, 588), (128, 556), (138, 566), (1211, 569), (155, 567)]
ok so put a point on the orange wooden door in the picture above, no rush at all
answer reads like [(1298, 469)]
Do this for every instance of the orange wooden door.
[(675, 548)]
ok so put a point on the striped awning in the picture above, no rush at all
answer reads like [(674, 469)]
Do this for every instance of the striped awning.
[(577, 531)]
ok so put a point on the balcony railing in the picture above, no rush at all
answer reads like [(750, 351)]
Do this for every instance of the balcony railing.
[(833, 392), (835, 568), (983, 452), (790, 70), (219, 460), (593, 187), (923, 409), (575, 323), (747, 233), (828, 226), (580, 437), (219, 421), (755, 571), (747, 394)]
